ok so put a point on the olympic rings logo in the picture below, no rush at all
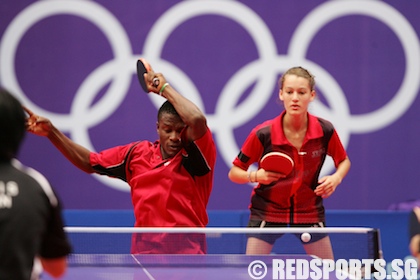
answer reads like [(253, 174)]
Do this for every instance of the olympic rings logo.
[(228, 115)]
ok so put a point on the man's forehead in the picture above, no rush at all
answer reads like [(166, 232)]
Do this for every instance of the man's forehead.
[(169, 116), (170, 120)]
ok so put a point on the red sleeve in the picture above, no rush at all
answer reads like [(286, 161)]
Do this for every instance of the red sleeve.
[(111, 162), (109, 157), (336, 149), (250, 152)]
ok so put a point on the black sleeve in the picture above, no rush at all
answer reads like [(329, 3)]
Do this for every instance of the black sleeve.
[(55, 243), (195, 162)]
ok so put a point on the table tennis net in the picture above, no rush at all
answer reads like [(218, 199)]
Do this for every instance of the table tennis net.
[(171, 260), (347, 243)]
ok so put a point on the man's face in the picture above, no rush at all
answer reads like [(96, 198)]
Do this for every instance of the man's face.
[(169, 129)]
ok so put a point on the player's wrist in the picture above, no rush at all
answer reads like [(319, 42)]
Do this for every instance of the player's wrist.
[(52, 132), (250, 176), (162, 89)]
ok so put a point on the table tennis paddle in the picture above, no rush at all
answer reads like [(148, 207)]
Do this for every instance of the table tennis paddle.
[(277, 162), (143, 67)]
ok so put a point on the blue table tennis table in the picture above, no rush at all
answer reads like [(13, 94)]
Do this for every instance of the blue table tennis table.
[(175, 267)]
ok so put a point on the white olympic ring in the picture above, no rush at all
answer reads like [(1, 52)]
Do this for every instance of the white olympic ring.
[(226, 117), (405, 33)]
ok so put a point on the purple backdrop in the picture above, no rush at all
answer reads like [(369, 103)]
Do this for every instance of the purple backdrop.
[(74, 62)]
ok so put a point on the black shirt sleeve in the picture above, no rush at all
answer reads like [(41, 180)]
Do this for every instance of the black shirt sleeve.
[(55, 243)]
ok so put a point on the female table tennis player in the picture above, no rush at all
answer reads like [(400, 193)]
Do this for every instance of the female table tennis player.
[(296, 199)]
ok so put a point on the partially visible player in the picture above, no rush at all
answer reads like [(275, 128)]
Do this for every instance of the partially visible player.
[(30, 215), (414, 233)]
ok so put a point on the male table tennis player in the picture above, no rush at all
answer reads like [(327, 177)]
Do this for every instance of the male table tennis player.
[(170, 179)]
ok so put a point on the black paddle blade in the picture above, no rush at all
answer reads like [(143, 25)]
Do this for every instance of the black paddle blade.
[(142, 68)]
